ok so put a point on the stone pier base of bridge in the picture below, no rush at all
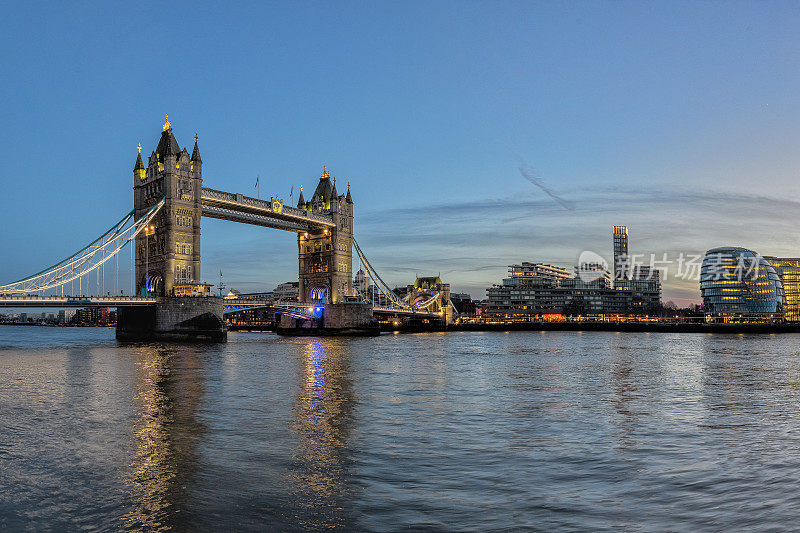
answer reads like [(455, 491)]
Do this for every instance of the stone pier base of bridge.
[(335, 319), (173, 319)]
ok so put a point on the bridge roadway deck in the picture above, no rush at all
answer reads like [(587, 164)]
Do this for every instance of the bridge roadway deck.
[(241, 304), (404, 312), (247, 210), (233, 304), (74, 301)]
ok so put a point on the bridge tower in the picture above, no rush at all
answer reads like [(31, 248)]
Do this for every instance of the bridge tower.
[(325, 255), (168, 252)]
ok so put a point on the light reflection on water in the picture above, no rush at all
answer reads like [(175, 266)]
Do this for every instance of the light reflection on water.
[(169, 390), (323, 414), (555, 430)]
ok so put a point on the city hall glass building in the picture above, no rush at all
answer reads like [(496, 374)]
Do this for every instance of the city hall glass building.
[(738, 285)]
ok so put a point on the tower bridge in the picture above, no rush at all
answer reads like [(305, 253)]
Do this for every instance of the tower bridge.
[(164, 228)]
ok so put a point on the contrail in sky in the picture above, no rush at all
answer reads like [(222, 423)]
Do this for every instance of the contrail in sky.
[(539, 183)]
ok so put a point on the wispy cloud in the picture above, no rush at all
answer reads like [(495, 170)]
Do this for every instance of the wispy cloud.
[(538, 182), (473, 242)]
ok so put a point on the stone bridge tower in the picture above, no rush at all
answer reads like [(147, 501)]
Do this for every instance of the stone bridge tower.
[(326, 255), (168, 252)]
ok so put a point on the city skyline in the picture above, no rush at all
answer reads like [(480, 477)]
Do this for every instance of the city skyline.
[(649, 126)]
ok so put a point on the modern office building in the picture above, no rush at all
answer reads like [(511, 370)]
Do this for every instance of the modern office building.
[(536, 291), (360, 282), (538, 272), (533, 289), (738, 285), (788, 269), (287, 292), (594, 271), (92, 315), (645, 287), (463, 303), (621, 266), (588, 297)]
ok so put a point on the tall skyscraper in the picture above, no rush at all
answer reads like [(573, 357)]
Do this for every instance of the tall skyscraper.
[(621, 266)]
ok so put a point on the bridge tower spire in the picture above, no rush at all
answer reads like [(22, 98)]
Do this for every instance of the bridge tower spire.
[(168, 253)]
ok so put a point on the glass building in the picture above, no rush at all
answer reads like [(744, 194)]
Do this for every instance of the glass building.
[(738, 285), (788, 269)]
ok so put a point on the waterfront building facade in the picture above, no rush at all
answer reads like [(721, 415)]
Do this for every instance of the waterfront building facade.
[(738, 285), (535, 291), (643, 289), (538, 272), (463, 303), (287, 292), (788, 270), (594, 271), (529, 291)]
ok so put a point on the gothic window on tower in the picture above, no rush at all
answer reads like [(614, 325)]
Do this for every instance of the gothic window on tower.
[(183, 248), (183, 274)]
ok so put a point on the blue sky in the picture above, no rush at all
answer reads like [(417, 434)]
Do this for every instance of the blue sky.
[(677, 119)]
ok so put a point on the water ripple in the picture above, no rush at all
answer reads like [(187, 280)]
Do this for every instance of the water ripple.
[(458, 432)]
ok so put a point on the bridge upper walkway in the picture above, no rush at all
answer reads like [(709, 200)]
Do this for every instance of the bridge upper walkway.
[(244, 209)]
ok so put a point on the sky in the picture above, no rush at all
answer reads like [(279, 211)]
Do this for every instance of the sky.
[(677, 119)]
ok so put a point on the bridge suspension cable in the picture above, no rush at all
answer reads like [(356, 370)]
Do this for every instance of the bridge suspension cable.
[(87, 259), (384, 289), (427, 303)]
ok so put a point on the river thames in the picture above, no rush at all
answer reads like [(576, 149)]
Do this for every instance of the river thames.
[(444, 431)]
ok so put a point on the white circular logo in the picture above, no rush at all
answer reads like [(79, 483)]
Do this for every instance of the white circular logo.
[(591, 266)]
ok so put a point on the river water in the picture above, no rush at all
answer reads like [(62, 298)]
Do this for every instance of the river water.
[(444, 431)]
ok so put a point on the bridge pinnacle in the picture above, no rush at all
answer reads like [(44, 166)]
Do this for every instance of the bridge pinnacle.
[(196, 152), (139, 167), (167, 124)]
